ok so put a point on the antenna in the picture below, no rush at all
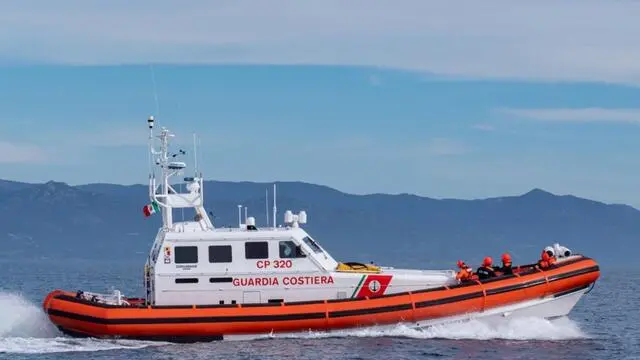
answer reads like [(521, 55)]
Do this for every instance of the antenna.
[(195, 156), (182, 209), (266, 204), (239, 216), (155, 89), (150, 121), (245, 214), (274, 205)]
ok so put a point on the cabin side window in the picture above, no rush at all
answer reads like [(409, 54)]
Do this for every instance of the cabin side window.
[(312, 244), (220, 254), (186, 280), (256, 250), (290, 250), (186, 254)]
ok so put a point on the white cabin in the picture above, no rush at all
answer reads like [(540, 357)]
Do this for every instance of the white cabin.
[(195, 263)]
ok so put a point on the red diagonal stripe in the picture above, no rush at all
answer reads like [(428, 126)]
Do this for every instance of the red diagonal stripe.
[(374, 285)]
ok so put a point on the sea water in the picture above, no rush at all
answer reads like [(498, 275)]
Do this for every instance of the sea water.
[(604, 325)]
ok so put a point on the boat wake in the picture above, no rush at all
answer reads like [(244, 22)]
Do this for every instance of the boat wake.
[(513, 329), (25, 329)]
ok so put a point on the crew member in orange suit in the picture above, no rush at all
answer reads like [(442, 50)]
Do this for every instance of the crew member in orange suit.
[(552, 257), (543, 263), (465, 272)]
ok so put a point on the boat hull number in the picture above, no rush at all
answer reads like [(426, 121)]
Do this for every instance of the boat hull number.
[(274, 264)]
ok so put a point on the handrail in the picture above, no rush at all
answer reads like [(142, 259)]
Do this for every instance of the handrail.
[(326, 312), (413, 307), (484, 294), (546, 280)]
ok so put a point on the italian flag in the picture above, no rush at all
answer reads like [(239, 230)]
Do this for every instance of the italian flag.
[(149, 209)]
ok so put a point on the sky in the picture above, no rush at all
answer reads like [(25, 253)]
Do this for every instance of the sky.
[(447, 100)]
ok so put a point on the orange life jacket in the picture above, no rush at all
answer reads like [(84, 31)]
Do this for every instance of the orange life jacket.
[(464, 274), (544, 261)]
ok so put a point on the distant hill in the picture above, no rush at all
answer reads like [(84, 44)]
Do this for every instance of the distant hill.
[(55, 220)]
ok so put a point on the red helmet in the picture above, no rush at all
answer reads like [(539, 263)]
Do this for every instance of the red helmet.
[(487, 261), (506, 258), (461, 264)]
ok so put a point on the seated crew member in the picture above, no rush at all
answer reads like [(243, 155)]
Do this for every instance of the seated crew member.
[(465, 272), (506, 265), (486, 270), (543, 263), (552, 256)]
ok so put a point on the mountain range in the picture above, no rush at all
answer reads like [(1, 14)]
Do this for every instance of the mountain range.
[(105, 221)]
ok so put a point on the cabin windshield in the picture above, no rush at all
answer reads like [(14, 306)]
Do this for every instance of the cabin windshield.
[(312, 244)]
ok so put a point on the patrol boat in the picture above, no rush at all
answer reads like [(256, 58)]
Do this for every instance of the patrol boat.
[(206, 283)]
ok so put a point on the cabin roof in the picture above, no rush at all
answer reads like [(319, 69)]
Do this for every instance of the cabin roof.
[(190, 231)]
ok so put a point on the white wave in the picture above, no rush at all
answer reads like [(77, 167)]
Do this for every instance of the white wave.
[(477, 329), (21, 318), (26, 329), (513, 329), (17, 345)]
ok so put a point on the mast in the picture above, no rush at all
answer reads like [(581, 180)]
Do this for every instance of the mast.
[(167, 213), (163, 195), (162, 161)]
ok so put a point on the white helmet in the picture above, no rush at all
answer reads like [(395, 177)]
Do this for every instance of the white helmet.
[(561, 251)]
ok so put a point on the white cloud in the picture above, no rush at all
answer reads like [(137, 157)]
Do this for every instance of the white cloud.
[(568, 40), (16, 153), (576, 115)]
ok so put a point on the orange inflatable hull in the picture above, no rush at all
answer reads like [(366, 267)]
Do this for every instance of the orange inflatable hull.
[(79, 317)]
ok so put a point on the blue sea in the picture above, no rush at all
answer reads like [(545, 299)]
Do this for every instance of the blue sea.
[(604, 325)]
